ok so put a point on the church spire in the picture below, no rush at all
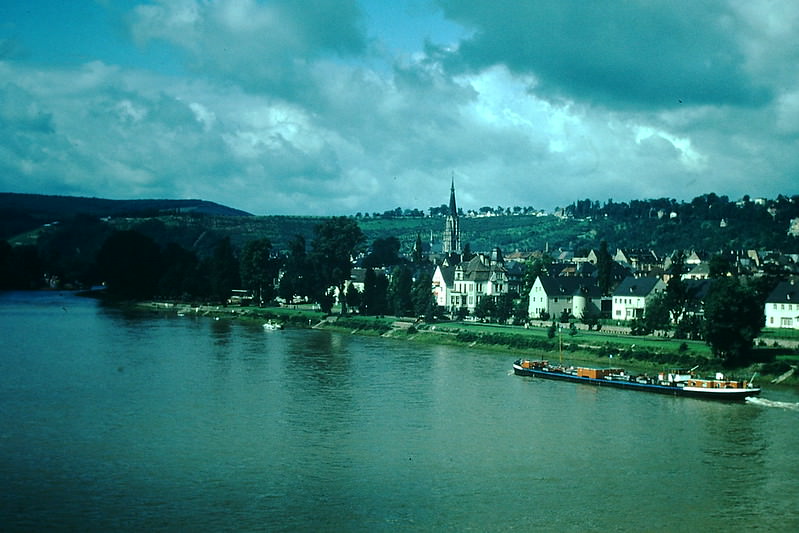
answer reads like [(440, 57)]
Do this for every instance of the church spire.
[(452, 231), (453, 209)]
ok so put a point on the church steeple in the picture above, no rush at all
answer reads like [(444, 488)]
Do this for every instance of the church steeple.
[(452, 232), (453, 209)]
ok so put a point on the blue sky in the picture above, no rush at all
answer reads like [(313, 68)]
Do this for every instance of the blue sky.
[(342, 106)]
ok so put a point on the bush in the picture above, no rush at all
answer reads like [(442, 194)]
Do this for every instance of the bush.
[(775, 368)]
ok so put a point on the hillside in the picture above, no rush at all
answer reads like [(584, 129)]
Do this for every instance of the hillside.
[(709, 223), (23, 212)]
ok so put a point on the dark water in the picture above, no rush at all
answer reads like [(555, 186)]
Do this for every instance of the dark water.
[(111, 422)]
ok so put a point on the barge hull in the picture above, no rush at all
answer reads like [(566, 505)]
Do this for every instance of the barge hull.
[(713, 394)]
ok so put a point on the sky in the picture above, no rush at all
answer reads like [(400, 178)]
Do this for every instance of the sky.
[(334, 107)]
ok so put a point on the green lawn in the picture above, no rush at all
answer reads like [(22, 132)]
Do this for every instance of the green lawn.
[(595, 338), (780, 333)]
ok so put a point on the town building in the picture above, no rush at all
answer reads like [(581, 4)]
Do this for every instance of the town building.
[(550, 296), (782, 306), (463, 286), (631, 296)]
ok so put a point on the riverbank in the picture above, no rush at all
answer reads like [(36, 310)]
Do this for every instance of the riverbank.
[(634, 353)]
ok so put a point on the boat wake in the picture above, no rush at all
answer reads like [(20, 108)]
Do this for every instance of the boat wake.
[(771, 403)]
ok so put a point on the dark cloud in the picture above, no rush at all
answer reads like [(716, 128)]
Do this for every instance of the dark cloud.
[(265, 47), (619, 54)]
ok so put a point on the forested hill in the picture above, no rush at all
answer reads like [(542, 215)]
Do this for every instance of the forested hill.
[(23, 212), (709, 223)]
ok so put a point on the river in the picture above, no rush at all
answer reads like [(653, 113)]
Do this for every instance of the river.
[(118, 422)]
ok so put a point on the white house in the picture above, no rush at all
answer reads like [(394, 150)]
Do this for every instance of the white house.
[(465, 284), (443, 286), (632, 294), (551, 295), (782, 306)]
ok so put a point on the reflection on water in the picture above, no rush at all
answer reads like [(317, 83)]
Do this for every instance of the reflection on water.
[(135, 423)]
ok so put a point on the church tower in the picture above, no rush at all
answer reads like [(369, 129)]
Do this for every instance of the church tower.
[(452, 230)]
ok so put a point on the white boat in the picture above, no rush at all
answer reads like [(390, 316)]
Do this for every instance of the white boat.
[(271, 326)]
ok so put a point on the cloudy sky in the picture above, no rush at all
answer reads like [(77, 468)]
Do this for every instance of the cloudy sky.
[(332, 107)]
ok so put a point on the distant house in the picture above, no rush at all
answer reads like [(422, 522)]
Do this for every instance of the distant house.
[(782, 306), (552, 295), (631, 296), (638, 260), (699, 271)]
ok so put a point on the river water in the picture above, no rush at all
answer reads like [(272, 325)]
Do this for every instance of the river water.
[(117, 422)]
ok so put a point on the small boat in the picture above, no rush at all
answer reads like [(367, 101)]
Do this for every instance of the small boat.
[(675, 382), (272, 326)]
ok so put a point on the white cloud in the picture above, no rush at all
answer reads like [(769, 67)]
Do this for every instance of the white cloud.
[(281, 111)]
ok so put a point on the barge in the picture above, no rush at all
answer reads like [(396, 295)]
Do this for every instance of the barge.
[(675, 383)]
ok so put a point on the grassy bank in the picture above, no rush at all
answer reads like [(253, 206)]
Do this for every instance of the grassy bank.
[(591, 348)]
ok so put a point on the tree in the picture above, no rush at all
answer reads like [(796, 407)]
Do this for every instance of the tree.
[(20, 267), (353, 296), (294, 281), (335, 242), (656, 315), (503, 308), (181, 276), (533, 269), (399, 291), (590, 317), (258, 269), (70, 249), (678, 296), (604, 269), (467, 253), (422, 298), (719, 266), (384, 252), (369, 298), (520, 311), (417, 255), (130, 263), (485, 308), (733, 319), (223, 271)]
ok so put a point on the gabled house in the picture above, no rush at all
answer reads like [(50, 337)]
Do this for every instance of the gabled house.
[(551, 295), (465, 284), (638, 260), (443, 287), (698, 271), (632, 294), (782, 306)]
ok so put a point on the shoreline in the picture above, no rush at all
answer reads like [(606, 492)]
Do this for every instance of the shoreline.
[(515, 341)]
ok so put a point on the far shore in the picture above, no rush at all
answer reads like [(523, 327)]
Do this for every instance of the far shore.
[(590, 348)]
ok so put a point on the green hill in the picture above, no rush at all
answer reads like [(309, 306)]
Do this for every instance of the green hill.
[(24, 212), (708, 223)]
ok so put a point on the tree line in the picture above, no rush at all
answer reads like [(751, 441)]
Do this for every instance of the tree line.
[(134, 266)]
